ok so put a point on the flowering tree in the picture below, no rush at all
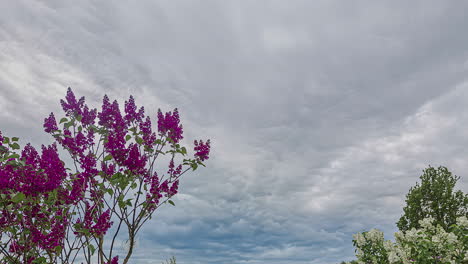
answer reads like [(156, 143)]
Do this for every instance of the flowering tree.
[(428, 245), (50, 213)]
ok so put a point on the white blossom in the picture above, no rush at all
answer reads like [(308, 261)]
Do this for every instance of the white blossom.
[(462, 221), (374, 235), (360, 239)]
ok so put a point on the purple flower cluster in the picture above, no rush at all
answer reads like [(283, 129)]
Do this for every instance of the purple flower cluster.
[(169, 125), (115, 260), (155, 191), (94, 223), (50, 124), (202, 150), (35, 179), (148, 135), (41, 173), (42, 194), (74, 108), (130, 111)]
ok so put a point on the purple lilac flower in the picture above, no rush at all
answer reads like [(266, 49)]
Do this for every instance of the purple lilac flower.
[(88, 116), (110, 116), (115, 145), (73, 144), (71, 106), (135, 161), (154, 192), (50, 125), (130, 111), (174, 172), (170, 124), (88, 164), (103, 224), (202, 150), (107, 169), (148, 136), (53, 167), (174, 188), (115, 260)]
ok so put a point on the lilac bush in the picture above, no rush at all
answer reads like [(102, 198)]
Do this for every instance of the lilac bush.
[(50, 213)]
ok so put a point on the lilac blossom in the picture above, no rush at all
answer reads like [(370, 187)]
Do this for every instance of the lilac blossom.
[(202, 150), (169, 124)]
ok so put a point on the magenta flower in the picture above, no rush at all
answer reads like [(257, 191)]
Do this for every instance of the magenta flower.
[(131, 113), (154, 192), (148, 135), (110, 116), (135, 161), (71, 106), (50, 125), (174, 188), (170, 124), (115, 260), (202, 150), (174, 172), (88, 116), (103, 224)]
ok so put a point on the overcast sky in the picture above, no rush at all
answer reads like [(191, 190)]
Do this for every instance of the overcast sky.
[(322, 114)]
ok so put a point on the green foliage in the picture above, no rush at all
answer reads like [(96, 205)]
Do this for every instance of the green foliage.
[(435, 198)]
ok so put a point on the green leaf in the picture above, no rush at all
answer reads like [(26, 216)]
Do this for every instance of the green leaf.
[(15, 146), (110, 191), (128, 137), (128, 202), (134, 185), (40, 260), (79, 117), (58, 249), (138, 140), (3, 149), (183, 150), (6, 140), (171, 202), (18, 197), (123, 182), (13, 156), (14, 139), (69, 124), (122, 204), (92, 248), (108, 157), (63, 120)]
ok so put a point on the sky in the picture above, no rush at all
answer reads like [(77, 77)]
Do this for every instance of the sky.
[(321, 114)]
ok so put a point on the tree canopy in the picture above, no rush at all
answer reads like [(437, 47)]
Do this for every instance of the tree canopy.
[(435, 197)]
